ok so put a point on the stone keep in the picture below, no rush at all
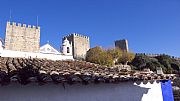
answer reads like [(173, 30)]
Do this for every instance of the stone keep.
[(22, 37), (122, 44), (80, 45)]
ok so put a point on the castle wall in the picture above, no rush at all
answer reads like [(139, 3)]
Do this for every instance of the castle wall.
[(80, 45), (22, 37)]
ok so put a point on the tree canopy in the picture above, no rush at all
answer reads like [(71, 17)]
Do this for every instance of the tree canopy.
[(108, 57), (126, 57), (167, 63), (99, 56)]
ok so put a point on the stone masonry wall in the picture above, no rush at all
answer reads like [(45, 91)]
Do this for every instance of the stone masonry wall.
[(22, 37), (122, 44), (80, 43)]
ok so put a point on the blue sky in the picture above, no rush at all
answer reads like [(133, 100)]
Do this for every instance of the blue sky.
[(151, 26)]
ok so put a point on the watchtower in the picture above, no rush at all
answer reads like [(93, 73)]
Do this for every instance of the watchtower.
[(22, 37), (80, 45), (122, 44)]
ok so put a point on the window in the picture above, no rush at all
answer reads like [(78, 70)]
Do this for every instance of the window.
[(48, 49), (68, 50)]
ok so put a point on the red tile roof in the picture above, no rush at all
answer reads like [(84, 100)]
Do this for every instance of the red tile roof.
[(43, 71)]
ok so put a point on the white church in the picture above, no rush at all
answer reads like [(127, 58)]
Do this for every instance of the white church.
[(46, 52)]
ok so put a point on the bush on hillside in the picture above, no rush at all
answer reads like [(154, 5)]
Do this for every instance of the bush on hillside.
[(168, 64)]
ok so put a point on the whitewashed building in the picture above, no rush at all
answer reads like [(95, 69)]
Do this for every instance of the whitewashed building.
[(45, 80), (45, 52), (125, 91)]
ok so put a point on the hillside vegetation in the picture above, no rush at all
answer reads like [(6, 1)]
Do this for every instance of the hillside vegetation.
[(110, 57), (167, 63)]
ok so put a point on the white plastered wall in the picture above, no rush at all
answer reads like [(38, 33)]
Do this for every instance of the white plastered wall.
[(126, 91), (19, 54)]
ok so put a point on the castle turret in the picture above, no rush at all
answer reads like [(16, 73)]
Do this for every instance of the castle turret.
[(80, 45), (22, 37), (66, 47), (122, 44)]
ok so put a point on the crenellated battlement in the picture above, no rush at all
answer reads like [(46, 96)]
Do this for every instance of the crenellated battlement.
[(77, 35), (19, 24), (29, 26), (22, 37), (22, 25), (77, 41)]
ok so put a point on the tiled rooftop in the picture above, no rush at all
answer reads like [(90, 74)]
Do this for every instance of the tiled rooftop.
[(42, 71)]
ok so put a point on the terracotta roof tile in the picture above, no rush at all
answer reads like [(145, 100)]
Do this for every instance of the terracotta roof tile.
[(42, 71)]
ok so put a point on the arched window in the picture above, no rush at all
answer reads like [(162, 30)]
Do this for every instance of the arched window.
[(68, 51)]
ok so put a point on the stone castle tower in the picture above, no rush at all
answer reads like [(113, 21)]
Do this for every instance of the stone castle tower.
[(80, 45), (122, 44), (22, 37)]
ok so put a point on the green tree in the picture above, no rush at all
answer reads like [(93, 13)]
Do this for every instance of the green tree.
[(93, 54), (116, 53), (142, 61), (126, 57), (99, 56), (106, 59), (170, 64)]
